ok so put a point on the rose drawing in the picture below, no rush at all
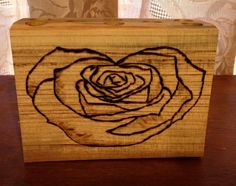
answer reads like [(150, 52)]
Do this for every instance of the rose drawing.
[(98, 101)]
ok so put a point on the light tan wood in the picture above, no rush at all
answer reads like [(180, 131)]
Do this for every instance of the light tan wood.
[(102, 89)]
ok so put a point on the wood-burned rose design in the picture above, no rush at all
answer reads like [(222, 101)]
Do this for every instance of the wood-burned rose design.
[(97, 101)]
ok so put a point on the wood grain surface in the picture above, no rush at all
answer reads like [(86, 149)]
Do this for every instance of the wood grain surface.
[(217, 167), (108, 89)]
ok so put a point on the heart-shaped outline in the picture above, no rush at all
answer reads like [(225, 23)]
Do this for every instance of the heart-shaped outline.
[(33, 86)]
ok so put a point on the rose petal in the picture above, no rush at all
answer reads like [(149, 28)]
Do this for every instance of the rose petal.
[(126, 131), (153, 108), (105, 79), (152, 121), (44, 69), (140, 97), (65, 83), (133, 102), (141, 75), (94, 106), (155, 86), (191, 76), (184, 98), (159, 63), (80, 129), (113, 97)]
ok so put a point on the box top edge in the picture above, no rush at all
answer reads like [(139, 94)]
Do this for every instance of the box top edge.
[(111, 22)]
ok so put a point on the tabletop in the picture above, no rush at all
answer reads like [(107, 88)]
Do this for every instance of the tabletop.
[(217, 167)]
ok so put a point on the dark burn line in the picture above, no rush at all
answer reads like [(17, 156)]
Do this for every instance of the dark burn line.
[(125, 82), (30, 72), (48, 121), (125, 111), (103, 57), (110, 78), (121, 112), (126, 102), (142, 52), (160, 77), (174, 121), (137, 132), (116, 98), (200, 94), (80, 101), (117, 120), (37, 109), (179, 81), (145, 130), (114, 72), (92, 116), (65, 50)]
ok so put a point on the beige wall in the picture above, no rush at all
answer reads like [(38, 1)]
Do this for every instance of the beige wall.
[(73, 8)]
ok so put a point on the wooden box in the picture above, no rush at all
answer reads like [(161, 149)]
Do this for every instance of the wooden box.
[(108, 89)]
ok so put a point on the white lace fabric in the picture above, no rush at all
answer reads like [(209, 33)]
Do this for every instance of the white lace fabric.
[(221, 13), (10, 11)]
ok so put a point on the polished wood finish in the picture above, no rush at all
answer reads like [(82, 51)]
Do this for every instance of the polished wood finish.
[(218, 167), (92, 89)]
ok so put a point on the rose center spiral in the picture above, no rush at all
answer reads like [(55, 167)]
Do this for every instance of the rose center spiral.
[(114, 80)]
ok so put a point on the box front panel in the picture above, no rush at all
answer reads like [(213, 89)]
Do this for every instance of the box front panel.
[(112, 89)]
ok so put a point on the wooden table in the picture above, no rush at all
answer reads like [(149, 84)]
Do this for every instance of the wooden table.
[(218, 167)]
